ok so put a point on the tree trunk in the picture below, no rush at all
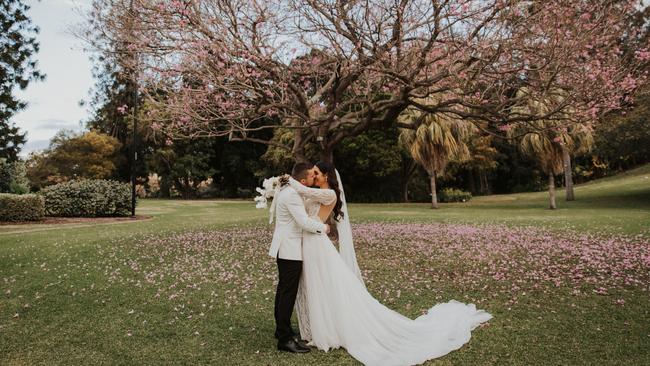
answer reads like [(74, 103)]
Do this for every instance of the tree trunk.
[(485, 185), (568, 175), (298, 148), (165, 187), (551, 190), (299, 158), (327, 155), (178, 185), (471, 181), (434, 197), (405, 192), (186, 188), (407, 174)]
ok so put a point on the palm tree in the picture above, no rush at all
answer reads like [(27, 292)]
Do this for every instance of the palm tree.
[(551, 142), (549, 156), (482, 159), (576, 140), (434, 142)]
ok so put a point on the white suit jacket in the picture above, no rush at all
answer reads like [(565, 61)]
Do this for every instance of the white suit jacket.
[(290, 220)]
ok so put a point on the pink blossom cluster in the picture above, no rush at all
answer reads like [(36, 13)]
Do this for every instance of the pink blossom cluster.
[(297, 65)]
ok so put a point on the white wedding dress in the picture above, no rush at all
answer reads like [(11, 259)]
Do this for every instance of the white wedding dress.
[(335, 310)]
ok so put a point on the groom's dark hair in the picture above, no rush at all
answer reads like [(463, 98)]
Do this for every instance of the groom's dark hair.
[(300, 169)]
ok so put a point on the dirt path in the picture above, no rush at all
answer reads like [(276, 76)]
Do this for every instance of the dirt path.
[(49, 223)]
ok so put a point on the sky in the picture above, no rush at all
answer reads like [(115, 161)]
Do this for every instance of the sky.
[(53, 104)]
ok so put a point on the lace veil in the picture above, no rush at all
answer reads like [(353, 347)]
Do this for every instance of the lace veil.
[(346, 243)]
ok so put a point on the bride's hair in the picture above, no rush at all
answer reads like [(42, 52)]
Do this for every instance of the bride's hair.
[(328, 169)]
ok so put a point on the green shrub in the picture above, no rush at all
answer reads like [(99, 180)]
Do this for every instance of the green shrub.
[(24, 207), (208, 191), (88, 198), (13, 178), (18, 188), (244, 193), (454, 195)]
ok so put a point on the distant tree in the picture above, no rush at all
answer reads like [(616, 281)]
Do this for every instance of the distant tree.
[(515, 171), (237, 167), (437, 140), (544, 137), (11, 140), (549, 155), (373, 165), (39, 173), (111, 104), (17, 69), (89, 155), (574, 140), (113, 97), (185, 164), (70, 156), (13, 177), (482, 160), (622, 140)]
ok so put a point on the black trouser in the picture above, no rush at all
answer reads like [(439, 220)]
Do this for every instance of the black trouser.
[(285, 297)]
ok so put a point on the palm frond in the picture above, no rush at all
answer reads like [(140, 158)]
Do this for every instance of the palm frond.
[(439, 139)]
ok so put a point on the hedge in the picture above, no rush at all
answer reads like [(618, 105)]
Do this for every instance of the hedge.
[(88, 198), (21, 207)]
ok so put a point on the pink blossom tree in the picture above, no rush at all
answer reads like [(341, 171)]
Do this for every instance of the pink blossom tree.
[(325, 70)]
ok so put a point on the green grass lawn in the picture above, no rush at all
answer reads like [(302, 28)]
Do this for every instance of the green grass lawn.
[(193, 284)]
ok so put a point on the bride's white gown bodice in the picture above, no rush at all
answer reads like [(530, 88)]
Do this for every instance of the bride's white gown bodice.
[(335, 310), (312, 206)]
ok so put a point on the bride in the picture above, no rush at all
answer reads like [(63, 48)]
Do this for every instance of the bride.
[(335, 309)]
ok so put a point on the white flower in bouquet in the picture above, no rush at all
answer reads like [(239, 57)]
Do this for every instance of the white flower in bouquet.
[(269, 186), (260, 201)]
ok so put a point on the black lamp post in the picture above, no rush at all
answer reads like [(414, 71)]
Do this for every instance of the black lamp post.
[(135, 143), (134, 85)]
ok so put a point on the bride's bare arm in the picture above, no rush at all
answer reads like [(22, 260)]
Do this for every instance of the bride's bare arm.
[(326, 197)]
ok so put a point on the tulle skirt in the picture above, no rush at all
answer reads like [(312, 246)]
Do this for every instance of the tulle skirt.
[(335, 310)]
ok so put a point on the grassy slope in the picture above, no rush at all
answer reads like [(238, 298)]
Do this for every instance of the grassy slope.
[(61, 328), (615, 204)]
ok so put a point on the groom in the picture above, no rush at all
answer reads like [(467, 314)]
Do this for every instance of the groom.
[(291, 220)]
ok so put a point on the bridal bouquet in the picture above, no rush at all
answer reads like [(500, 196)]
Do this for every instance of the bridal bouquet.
[(268, 190)]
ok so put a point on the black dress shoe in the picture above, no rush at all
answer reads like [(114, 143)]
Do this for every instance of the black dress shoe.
[(292, 346), (302, 343)]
